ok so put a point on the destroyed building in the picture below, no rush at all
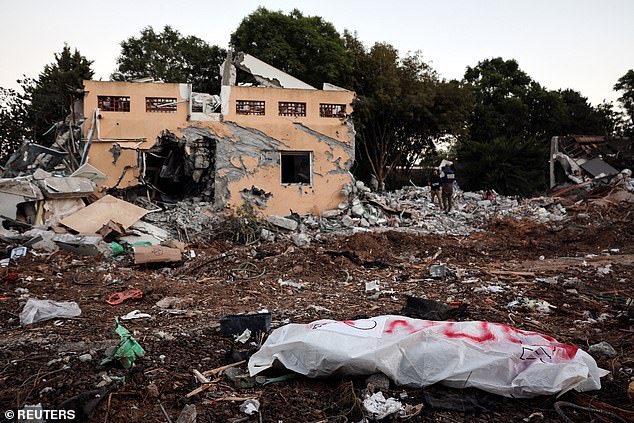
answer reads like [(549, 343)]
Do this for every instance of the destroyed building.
[(268, 138), (578, 158)]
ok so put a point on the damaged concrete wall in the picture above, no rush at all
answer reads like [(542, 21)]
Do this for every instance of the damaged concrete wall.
[(267, 75), (251, 157), (136, 129), (247, 148)]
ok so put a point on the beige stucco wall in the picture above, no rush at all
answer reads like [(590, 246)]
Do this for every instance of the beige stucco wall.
[(248, 146), (135, 124), (330, 139)]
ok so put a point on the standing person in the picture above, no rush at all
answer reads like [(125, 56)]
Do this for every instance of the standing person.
[(434, 184), (446, 181)]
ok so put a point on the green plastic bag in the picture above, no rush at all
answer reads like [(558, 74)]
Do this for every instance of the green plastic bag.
[(127, 349), (116, 248)]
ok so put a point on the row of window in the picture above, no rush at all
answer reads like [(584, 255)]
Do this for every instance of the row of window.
[(122, 104), (288, 108), (243, 107)]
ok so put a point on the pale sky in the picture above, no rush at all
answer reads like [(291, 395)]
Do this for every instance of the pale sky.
[(585, 45)]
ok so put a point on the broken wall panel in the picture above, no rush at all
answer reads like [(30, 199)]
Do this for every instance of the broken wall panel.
[(122, 172), (92, 218)]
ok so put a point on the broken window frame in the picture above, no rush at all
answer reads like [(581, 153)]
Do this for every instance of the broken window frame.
[(113, 103), (332, 110), (250, 107), (291, 108), (161, 105), (297, 153)]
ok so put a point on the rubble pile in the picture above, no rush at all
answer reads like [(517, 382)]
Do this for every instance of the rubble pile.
[(410, 209), (187, 220), (100, 322)]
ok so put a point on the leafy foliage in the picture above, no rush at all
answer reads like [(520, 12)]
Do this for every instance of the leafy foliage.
[(14, 127), (512, 108), (50, 93), (306, 47), (171, 57), (625, 85), (402, 107), (507, 165), (242, 224)]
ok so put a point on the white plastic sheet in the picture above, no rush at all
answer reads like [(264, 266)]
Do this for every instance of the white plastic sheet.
[(412, 352), (39, 310)]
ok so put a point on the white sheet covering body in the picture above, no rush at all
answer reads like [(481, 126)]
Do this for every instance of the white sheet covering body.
[(412, 352)]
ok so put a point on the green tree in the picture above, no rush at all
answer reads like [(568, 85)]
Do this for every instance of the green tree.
[(513, 115), (613, 121), (507, 165), (14, 127), (511, 107), (580, 117), (171, 57), (306, 47), (402, 108), (501, 109), (625, 85), (50, 94)]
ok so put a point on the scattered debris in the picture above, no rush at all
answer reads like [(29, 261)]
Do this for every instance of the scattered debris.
[(250, 406), (379, 407), (602, 349), (40, 310), (156, 254), (119, 297), (92, 218), (135, 314), (126, 351), (237, 324)]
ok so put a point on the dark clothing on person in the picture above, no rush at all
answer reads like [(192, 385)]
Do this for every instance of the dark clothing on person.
[(447, 181), (448, 178), (434, 182)]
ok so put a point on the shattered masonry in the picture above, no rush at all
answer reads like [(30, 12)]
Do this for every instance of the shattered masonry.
[(273, 141)]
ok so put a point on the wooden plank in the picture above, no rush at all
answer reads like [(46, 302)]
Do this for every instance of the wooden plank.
[(93, 217), (219, 370), (156, 254)]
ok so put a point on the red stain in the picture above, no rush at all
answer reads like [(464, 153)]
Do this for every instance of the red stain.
[(396, 323), (487, 335), (511, 334)]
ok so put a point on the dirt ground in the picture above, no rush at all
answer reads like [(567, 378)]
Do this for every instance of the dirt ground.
[(40, 362)]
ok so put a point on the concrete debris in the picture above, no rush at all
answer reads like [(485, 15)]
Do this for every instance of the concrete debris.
[(85, 245), (283, 222), (267, 235), (602, 349), (187, 220), (69, 187), (301, 240), (85, 358)]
